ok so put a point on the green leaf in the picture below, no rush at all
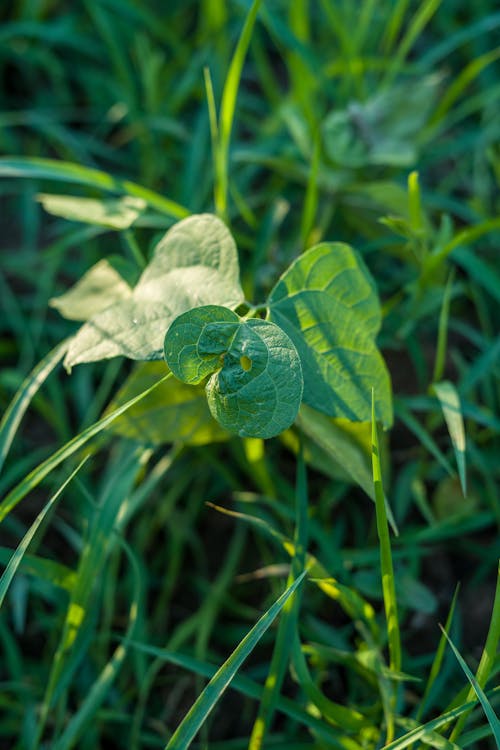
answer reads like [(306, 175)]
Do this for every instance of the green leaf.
[(195, 263), (450, 404), (382, 130), (114, 213), (327, 303), (100, 287), (255, 388), (173, 412)]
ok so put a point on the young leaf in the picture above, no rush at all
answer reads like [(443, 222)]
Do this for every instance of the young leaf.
[(195, 263), (255, 388), (326, 302)]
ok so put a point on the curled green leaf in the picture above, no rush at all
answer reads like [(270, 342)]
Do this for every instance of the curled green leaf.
[(255, 376)]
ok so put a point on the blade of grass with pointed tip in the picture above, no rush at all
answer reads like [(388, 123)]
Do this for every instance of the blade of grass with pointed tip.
[(450, 404), (122, 476), (52, 169), (460, 82), (488, 710), (227, 109), (56, 574), (486, 664), (17, 408), (17, 557), (421, 433), (333, 712), (425, 11), (464, 237), (197, 714), (34, 478), (386, 566), (287, 627), (481, 367), (444, 317), (421, 733), (438, 658), (249, 688), (100, 688)]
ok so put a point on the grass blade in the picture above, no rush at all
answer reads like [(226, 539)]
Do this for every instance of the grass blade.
[(247, 687), (444, 317), (287, 628), (420, 19), (460, 83), (488, 710), (51, 169), (102, 685), (438, 658), (227, 108), (450, 404), (17, 408), (386, 566), (17, 557), (421, 433), (189, 726), (484, 669), (34, 478), (102, 535)]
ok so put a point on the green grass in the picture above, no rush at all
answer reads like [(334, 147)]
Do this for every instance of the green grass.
[(138, 563)]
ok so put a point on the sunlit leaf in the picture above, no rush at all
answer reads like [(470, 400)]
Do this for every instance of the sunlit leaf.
[(195, 263), (114, 213), (255, 385), (99, 288), (326, 302)]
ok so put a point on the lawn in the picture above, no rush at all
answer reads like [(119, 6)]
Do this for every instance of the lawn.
[(249, 384)]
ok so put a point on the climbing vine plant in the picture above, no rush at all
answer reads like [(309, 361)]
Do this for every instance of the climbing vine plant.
[(313, 341)]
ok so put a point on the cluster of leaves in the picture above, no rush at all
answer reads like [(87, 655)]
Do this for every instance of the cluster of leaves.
[(318, 343)]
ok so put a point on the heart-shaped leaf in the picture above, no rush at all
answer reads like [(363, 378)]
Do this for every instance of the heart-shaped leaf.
[(255, 385), (327, 303), (195, 263)]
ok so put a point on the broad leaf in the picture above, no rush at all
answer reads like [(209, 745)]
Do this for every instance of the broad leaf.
[(384, 130), (255, 385), (195, 263), (327, 303), (173, 412), (114, 213), (100, 287)]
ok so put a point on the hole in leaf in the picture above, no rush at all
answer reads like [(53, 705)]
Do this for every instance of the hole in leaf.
[(246, 363)]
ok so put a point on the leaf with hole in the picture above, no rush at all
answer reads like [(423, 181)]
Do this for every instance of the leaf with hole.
[(255, 376)]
